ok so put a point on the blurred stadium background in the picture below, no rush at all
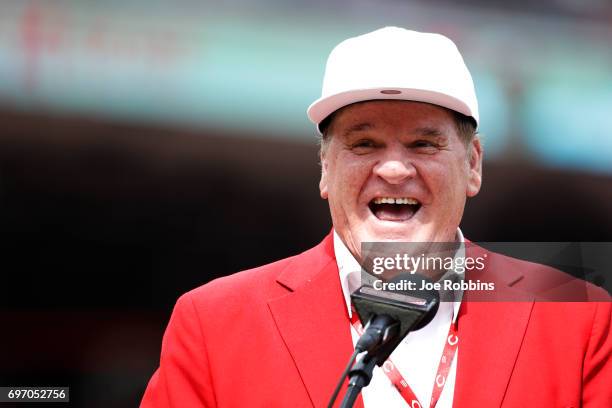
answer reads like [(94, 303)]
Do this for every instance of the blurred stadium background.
[(147, 147)]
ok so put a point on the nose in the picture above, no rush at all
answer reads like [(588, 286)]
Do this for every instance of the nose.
[(394, 170)]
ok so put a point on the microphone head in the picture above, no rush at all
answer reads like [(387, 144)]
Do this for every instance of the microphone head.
[(423, 291), (403, 300)]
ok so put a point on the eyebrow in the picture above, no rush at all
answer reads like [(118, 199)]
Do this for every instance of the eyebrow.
[(428, 131), (358, 127), (423, 131)]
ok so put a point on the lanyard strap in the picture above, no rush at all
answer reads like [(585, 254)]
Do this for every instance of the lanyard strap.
[(398, 381)]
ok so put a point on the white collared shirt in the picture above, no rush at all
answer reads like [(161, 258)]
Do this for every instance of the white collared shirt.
[(417, 356)]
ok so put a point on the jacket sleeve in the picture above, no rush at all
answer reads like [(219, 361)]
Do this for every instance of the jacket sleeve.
[(183, 378), (597, 369)]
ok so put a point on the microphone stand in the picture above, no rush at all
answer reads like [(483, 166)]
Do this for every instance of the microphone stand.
[(359, 376)]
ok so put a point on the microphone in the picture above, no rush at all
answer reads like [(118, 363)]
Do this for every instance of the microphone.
[(389, 315)]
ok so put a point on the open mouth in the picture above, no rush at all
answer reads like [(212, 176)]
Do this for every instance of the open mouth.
[(394, 209)]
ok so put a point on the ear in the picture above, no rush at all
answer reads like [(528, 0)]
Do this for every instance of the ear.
[(475, 167), (323, 182)]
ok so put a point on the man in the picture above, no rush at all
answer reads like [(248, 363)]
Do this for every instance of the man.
[(399, 156)]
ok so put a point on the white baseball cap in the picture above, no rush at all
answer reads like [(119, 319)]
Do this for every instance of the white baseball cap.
[(395, 63)]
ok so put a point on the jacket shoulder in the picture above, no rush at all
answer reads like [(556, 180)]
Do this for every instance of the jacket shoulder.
[(544, 282)]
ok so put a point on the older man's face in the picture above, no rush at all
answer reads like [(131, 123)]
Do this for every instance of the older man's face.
[(397, 171)]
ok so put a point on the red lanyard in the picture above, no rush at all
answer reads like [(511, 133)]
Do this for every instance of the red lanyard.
[(450, 348)]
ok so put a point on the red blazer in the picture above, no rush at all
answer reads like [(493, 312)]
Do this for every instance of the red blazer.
[(278, 336)]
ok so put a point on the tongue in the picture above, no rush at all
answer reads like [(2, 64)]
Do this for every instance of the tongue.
[(394, 212)]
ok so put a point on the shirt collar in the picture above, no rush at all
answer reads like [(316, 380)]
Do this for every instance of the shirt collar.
[(350, 272)]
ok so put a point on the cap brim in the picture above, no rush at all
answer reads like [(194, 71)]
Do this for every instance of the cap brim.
[(325, 106)]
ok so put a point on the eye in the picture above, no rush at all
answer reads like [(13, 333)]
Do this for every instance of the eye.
[(423, 143), (363, 146), (426, 146), (364, 143)]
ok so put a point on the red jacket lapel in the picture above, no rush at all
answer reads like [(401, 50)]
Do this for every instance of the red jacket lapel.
[(313, 321), (491, 334)]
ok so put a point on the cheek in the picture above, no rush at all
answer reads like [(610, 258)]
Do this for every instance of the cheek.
[(347, 179), (350, 172), (446, 180)]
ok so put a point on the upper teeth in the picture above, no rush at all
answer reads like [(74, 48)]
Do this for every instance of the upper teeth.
[(389, 200)]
